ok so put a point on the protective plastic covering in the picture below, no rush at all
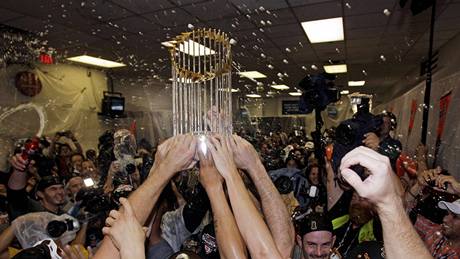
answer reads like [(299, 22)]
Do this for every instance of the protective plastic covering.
[(70, 99), (30, 228), (409, 133)]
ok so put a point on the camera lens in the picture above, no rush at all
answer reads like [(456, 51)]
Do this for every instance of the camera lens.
[(56, 228), (130, 168)]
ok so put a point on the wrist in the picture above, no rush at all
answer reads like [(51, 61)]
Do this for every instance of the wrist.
[(232, 176), (256, 168), (133, 251), (213, 189), (388, 206)]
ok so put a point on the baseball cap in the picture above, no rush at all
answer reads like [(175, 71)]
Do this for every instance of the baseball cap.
[(48, 181), (314, 222), (451, 206)]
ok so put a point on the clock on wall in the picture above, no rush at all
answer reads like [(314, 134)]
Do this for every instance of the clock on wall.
[(28, 83)]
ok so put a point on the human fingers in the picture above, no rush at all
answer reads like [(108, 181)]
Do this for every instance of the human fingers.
[(365, 157), (114, 214), (18, 163), (128, 210), (109, 221), (215, 143), (352, 178), (106, 231), (193, 143)]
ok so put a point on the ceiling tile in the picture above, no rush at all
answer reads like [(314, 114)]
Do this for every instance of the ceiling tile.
[(6, 15), (261, 6), (211, 10), (359, 7), (319, 11), (170, 18), (365, 21), (144, 6)]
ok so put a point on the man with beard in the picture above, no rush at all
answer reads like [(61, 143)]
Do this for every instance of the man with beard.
[(443, 240), (314, 236), (359, 225)]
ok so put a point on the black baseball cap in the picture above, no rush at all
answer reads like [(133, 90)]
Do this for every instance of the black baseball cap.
[(314, 222), (48, 181)]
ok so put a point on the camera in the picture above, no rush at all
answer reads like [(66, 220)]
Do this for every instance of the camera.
[(94, 200), (56, 228), (350, 134)]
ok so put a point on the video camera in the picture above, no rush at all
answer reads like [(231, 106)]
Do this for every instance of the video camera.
[(350, 134)]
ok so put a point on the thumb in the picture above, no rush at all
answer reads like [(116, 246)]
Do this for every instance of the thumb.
[(352, 178)]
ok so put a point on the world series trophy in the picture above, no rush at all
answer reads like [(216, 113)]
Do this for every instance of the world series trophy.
[(201, 83)]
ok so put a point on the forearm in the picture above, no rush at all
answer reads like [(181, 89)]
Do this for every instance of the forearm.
[(6, 238), (78, 147), (229, 240), (81, 235), (275, 211), (18, 180), (251, 225), (334, 192), (400, 238), (144, 200), (136, 252)]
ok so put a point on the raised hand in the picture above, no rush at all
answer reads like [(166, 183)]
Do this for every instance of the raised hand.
[(244, 153), (378, 187), (124, 229), (222, 155), (177, 152), (371, 140), (209, 176), (18, 163), (453, 186), (426, 176)]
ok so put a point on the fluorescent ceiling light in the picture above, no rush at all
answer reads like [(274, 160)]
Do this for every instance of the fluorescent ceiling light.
[(295, 93), (335, 69), (252, 74), (253, 95), (325, 30), (96, 61), (280, 87), (235, 90), (344, 92), (356, 83)]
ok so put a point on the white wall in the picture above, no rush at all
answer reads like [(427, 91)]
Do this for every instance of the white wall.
[(445, 79)]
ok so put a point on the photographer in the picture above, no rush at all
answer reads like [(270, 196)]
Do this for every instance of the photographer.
[(64, 152)]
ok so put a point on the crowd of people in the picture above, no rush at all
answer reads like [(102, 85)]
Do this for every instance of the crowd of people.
[(258, 195)]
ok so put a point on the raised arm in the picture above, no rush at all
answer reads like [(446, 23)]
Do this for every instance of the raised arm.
[(74, 139), (251, 225), (274, 209), (229, 240), (18, 178), (400, 238), (334, 192), (174, 155)]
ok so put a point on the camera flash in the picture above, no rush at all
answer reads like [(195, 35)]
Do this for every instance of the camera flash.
[(88, 182)]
